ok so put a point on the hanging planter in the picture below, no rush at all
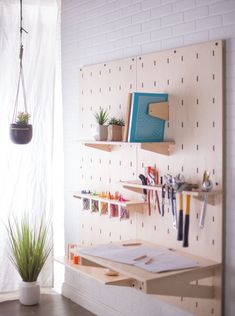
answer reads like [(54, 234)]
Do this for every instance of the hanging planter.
[(21, 131)]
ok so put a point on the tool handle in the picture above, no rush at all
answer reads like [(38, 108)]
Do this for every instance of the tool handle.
[(180, 225), (203, 213), (186, 231), (186, 223), (181, 219)]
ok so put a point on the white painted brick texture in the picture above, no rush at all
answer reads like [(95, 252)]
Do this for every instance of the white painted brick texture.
[(100, 30)]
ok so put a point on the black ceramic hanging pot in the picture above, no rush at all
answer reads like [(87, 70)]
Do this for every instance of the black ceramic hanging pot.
[(21, 131), (21, 134)]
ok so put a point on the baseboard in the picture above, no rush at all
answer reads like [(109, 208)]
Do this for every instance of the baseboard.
[(91, 304)]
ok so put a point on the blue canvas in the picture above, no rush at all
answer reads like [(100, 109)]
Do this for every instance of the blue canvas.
[(143, 127)]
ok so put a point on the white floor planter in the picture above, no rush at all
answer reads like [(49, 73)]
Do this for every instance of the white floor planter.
[(29, 293)]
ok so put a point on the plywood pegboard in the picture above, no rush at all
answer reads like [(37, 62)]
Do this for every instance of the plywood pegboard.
[(193, 78)]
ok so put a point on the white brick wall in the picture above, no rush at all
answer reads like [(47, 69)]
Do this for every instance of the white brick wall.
[(100, 30)]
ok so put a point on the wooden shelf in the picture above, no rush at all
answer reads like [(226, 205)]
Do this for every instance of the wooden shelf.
[(130, 205), (136, 186), (173, 283), (97, 273), (160, 148)]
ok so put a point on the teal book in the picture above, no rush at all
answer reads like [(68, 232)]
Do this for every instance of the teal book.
[(142, 126)]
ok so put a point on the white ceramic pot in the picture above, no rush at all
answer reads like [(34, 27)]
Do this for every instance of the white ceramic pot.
[(29, 293)]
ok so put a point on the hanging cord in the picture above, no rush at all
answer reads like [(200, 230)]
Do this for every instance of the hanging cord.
[(21, 73)]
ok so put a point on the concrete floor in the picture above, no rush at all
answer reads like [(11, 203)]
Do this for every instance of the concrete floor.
[(50, 305)]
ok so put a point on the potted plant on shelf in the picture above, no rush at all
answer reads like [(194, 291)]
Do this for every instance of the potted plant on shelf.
[(101, 117), (115, 129), (29, 250), (21, 131)]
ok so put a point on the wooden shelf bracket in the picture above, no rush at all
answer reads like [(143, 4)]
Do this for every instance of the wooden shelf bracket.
[(159, 110)]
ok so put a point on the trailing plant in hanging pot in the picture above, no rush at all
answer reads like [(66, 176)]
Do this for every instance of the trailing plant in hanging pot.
[(115, 129), (101, 132), (29, 250), (21, 131)]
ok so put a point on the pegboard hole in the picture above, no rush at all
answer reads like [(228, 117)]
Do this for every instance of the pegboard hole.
[(213, 242), (142, 224), (142, 65), (91, 228), (100, 72), (197, 78), (130, 86), (168, 60), (120, 237), (110, 162), (196, 304), (213, 100), (182, 146), (100, 179), (91, 178), (109, 71), (130, 163), (120, 162), (168, 167), (182, 169), (104, 65), (120, 106), (168, 231), (182, 58), (212, 310), (155, 227), (100, 161), (139, 58), (168, 82), (109, 89), (82, 92), (213, 171), (213, 52), (182, 102), (213, 77), (110, 234), (154, 84), (82, 225), (197, 124), (213, 124), (197, 147), (213, 219), (130, 67), (197, 216), (142, 165), (213, 147), (181, 298), (109, 107), (182, 124), (91, 73), (197, 101), (197, 170), (197, 56), (100, 231), (168, 124), (174, 51), (90, 91), (182, 80), (131, 221), (197, 238), (155, 63), (142, 84), (110, 180), (82, 126)]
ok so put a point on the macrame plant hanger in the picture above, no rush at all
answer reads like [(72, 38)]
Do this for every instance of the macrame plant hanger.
[(20, 131)]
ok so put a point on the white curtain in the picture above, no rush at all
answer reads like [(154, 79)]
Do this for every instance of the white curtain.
[(27, 171)]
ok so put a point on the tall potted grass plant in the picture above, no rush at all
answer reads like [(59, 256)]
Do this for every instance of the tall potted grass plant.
[(29, 250)]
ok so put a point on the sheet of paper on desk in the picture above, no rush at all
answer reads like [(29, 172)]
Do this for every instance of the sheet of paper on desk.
[(162, 259), (166, 261)]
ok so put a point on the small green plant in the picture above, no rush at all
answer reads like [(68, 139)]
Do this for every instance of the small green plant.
[(29, 247), (23, 118), (114, 121), (101, 116)]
